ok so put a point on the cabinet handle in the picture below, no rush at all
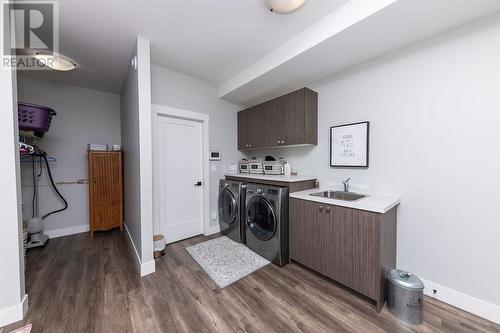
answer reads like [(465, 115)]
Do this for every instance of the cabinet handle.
[(328, 209), (250, 145), (320, 208), (282, 142), (278, 141)]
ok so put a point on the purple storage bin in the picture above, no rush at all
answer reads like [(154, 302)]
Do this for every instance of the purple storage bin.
[(32, 117)]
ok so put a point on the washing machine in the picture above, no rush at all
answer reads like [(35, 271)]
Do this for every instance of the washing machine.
[(266, 219), (231, 211)]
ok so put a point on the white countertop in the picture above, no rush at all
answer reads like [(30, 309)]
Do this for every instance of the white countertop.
[(276, 178), (372, 202)]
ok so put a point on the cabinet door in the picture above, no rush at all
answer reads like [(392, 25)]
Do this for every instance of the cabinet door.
[(325, 240), (250, 128), (270, 123), (340, 244), (242, 130), (292, 112), (366, 251), (256, 128), (106, 190), (303, 227)]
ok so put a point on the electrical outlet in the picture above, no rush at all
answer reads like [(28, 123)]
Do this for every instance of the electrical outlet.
[(214, 215), (213, 167)]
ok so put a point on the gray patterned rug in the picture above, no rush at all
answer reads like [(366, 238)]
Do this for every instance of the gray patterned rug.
[(225, 260)]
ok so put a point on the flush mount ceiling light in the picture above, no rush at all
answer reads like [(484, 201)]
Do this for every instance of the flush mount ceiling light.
[(56, 61), (284, 6)]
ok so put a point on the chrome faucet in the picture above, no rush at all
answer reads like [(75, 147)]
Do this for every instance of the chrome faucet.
[(346, 184)]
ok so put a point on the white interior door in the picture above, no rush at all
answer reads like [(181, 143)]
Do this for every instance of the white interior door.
[(180, 157)]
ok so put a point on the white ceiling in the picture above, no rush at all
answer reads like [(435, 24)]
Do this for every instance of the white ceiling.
[(211, 40), (357, 32), (249, 52)]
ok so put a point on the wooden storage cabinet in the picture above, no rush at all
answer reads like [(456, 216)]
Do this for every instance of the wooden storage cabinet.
[(105, 190), (353, 247), (291, 119)]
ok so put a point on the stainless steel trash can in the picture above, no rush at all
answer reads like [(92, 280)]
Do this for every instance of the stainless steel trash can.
[(405, 296)]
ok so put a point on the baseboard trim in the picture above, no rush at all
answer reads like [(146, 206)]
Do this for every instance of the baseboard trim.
[(465, 302), (148, 268), (213, 229), (67, 231), (138, 262), (14, 313), (143, 268)]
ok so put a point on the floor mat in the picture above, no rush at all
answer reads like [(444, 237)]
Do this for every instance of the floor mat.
[(225, 260)]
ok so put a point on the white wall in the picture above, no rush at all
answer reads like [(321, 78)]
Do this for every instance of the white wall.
[(180, 91), (135, 104), (434, 110), (13, 301), (83, 116)]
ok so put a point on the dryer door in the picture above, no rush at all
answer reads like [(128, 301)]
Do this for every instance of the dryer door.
[(228, 207), (261, 219)]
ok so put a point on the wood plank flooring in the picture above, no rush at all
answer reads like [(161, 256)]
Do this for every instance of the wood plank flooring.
[(78, 284)]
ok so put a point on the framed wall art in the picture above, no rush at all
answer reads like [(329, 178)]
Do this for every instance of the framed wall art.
[(349, 145)]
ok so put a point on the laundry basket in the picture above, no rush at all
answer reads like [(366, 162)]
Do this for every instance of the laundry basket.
[(32, 117)]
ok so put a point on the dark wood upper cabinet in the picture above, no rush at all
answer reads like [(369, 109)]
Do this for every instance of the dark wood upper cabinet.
[(289, 120), (353, 247), (243, 130), (299, 117), (250, 128)]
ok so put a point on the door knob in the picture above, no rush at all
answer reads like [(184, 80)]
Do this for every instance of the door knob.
[(198, 184)]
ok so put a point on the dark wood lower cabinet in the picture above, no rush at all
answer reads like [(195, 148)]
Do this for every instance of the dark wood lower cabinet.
[(353, 247)]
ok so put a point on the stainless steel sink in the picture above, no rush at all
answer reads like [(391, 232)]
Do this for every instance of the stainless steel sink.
[(339, 195)]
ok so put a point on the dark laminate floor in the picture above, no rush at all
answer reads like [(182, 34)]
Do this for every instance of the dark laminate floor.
[(78, 284)]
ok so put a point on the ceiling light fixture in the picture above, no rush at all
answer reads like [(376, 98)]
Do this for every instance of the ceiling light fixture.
[(56, 61), (284, 6)]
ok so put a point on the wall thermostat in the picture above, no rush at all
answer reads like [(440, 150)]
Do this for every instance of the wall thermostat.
[(215, 156)]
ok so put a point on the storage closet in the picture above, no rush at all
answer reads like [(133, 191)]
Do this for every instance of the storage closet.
[(84, 154)]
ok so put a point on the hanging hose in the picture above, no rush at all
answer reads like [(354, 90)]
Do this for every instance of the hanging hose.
[(55, 189), (34, 187)]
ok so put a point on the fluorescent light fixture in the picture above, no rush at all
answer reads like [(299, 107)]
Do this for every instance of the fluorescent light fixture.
[(56, 61), (284, 6)]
